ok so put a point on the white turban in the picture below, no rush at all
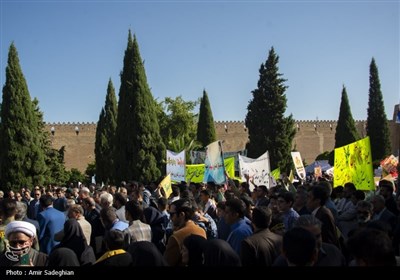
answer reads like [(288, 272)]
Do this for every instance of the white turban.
[(20, 226)]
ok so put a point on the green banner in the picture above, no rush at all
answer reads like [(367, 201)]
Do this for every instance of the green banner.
[(195, 172), (353, 163), (276, 173)]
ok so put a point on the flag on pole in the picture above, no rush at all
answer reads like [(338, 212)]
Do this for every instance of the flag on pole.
[(291, 176)]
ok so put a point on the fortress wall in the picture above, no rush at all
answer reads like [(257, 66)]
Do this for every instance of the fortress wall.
[(79, 147), (312, 138)]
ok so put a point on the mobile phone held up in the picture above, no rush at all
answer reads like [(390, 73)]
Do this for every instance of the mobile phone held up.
[(25, 259)]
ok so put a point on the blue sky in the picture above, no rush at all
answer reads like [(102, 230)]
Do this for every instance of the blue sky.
[(68, 50)]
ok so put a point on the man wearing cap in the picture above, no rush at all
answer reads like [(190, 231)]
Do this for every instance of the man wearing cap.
[(21, 236)]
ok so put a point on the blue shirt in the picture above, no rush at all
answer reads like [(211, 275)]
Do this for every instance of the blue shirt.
[(120, 225), (239, 231)]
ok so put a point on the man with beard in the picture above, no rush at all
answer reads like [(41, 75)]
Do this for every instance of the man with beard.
[(21, 236)]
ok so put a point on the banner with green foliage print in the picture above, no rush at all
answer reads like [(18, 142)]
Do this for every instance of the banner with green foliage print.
[(353, 163)]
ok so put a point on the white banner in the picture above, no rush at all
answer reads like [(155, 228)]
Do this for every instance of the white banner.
[(298, 164), (257, 169), (176, 165)]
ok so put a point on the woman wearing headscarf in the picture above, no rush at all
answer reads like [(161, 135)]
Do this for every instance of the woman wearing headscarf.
[(192, 250), (145, 253), (75, 240), (218, 252), (63, 256)]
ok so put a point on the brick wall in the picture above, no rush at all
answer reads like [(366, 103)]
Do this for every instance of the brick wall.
[(312, 138)]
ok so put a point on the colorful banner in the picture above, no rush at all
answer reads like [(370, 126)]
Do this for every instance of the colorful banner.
[(167, 185), (176, 163), (257, 169), (195, 172), (389, 164), (353, 163), (298, 164), (198, 157), (214, 164)]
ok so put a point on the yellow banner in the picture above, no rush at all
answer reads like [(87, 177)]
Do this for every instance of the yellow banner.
[(276, 173), (230, 166), (166, 185), (353, 163), (195, 172)]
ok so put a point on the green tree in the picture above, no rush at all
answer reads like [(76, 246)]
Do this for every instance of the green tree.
[(139, 150), (90, 172), (377, 122), (178, 124), (75, 176), (269, 130), (105, 137), (57, 173), (205, 128), (346, 132), (22, 159), (43, 142)]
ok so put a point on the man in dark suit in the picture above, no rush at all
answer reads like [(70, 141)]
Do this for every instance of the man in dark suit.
[(381, 212), (328, 254), (50, 221), (263, 247), (317, 197)]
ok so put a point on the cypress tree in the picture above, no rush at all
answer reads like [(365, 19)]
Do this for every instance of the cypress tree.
[(377, 122), (22, 159), (269, 130), (105, 135), (205, 127), (139, 147), (346, 131), (56, 168), (44, 145)]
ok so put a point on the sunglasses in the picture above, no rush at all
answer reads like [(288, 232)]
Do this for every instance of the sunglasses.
[(14, 243)]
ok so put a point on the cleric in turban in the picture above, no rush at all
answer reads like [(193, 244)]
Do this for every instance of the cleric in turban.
[(20, 237)]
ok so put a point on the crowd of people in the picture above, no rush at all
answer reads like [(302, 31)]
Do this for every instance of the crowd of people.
[(201, 224)]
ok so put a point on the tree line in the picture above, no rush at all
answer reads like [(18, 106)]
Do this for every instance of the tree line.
[(134, 132)]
